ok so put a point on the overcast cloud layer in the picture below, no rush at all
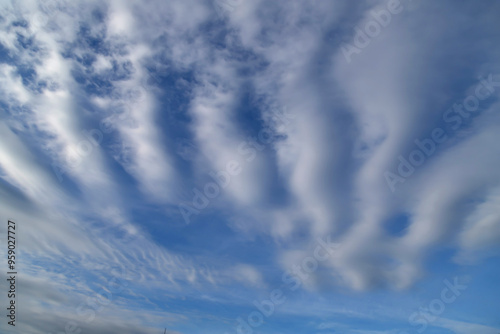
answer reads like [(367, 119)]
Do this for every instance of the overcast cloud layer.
[(170, 164)]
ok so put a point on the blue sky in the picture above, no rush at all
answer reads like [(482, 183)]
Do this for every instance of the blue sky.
[(246, 167)]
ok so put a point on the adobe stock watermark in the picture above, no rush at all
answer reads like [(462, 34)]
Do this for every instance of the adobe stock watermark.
[(48, 12), (247, 150), (223, 7), (292, 280), (436, 307), (85, 147), (93, 138), (428, 146), (45, 12), (372, 28), (96, 303)]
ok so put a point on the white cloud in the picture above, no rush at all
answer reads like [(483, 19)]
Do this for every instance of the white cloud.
[(346, 125)]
